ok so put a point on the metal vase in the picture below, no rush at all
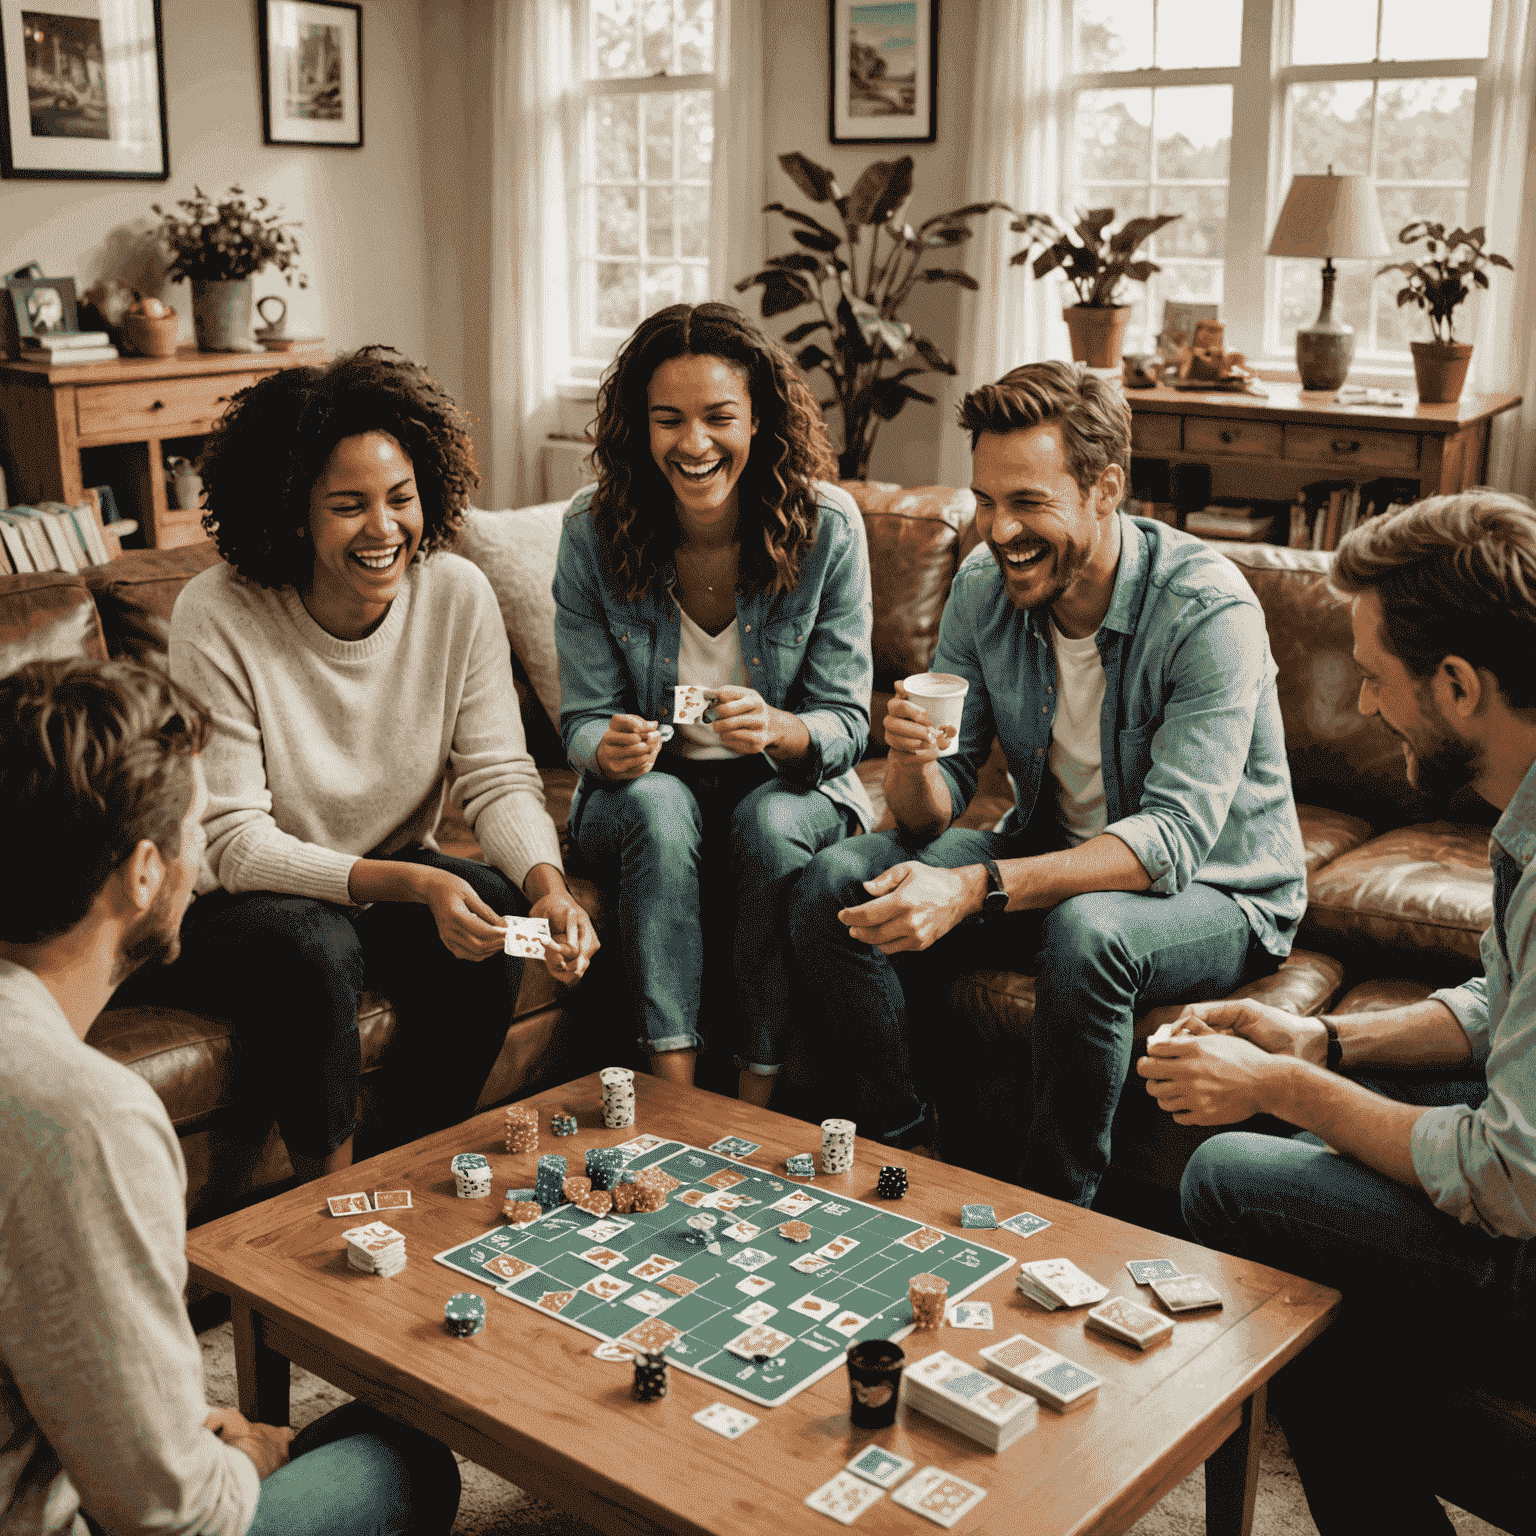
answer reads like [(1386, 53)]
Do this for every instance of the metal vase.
[(221, 314)]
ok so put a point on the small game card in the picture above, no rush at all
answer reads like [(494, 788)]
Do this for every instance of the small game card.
[(1187, 1293), (603, 1258), (679, 1285), (753, 1285), (649, 1302), (725, 1178), (740, 1232), (922, 1240), (1130, 1322), (693, 1197), (809, 1263), (391, 1199), (847, 1323), (970, 1314), (736, 1146), (606, 1287), (653, 1268), (506, 1268), (758, 1312), (879, 1466), (845, 1498), (653, 1334), (349, 1205), (939, 1496), (837, 1247), (979, 1217), (795, 1203), (813, 1306), (750, 1259), (606, 1230), (1145, 1271), (732, 1423), (526, 936), (608, 1350), (832, 1208), (553, 1301), (690, 702), (638, 1144), (759, 1342), (1026, 1223)]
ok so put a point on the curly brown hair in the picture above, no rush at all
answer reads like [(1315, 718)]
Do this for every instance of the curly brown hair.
[(268, 449), (633, 507)]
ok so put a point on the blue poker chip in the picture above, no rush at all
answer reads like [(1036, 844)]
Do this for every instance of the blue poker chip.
[(464, 1315)]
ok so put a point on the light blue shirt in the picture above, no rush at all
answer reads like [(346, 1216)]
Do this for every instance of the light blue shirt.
[(806, 651), (1479, 1165), (1196, 782)]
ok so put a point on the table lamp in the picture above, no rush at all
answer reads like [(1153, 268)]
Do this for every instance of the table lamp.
[(1328, 216)]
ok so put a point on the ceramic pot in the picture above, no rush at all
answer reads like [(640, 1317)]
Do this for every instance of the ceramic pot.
[(151, 335), (1098, 335), (221, 314), (1440, 367)]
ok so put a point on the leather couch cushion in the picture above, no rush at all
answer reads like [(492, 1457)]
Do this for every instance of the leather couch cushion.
[(1380, 993), (135, 595), (189, 1060), (1325, 834), (47, 616), (1424, 889)]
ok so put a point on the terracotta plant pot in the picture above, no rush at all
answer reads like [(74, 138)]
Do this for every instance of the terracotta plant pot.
[(1440, 367), (1098, 335)]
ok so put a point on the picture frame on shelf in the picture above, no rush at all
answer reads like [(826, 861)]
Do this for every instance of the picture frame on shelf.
[(40, 306), (84, 88), (311, 72), (884, 57)]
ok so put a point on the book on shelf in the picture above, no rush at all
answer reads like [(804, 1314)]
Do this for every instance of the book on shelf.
[(72, 355), (1240, 523), (65, 341), (54, 536), (1326, 511)]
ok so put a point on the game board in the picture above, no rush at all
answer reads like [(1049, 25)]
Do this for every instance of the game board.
[(653, 1281)]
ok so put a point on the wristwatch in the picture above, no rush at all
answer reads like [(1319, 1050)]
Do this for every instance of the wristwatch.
[(1335, 1057), (996, 899)]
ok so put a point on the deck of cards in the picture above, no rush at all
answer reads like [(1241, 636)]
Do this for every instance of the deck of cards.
[(1032, 1368), (375, 1249), (526, 937), (1186, 1293), (1057, 1283), (1130, 1322), (979, 1406)]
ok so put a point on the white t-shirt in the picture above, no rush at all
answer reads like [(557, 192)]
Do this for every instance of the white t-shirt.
[(1076, 760), (706, 661)]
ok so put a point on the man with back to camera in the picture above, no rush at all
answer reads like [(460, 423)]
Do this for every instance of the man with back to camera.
[(1424, 1210), (103, 1423), (1152, 854)]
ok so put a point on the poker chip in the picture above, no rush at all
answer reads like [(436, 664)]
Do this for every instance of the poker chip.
[(604, 1166), (794, 1231), (651, 1186), (651, 1377), (464, 1316), (562, 1125), (549, 1181), (618, 1097), (623, 1197), (596, 1202), (892, 1184), (928, 1293), (703, 1221), (837, 1145), (522, 1129), (521, 1212), (800, 1165), (574, 1186), (471, 1176)]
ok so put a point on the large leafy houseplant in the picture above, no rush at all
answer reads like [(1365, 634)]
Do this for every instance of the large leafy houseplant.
[(226, 240), (869, 354)]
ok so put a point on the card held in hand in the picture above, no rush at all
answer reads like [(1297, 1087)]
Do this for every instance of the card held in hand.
[(526, 937)]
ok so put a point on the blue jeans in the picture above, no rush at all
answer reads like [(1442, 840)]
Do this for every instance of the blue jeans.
[(667, 835), (1103, 958), (1364, 1406), (357, 1473)]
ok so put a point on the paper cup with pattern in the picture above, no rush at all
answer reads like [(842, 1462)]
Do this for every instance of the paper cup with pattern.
[(942, 695)]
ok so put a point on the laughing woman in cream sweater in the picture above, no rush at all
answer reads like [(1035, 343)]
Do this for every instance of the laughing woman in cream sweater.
[(351, 660)]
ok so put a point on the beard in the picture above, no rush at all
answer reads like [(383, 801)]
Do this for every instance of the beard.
[(154, 939), (1438, 763), (1068, 567)]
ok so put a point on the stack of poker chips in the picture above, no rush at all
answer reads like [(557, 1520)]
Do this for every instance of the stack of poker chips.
[(574, 1186), (651, 1375), (954, 1392), (471, 1176), (893, 1182), (596, 1202), (549, 1181), (837, 1146), (375, 1249), (800, 1165), (618, 1097), (562, 1124), (464, 1316), (928, 1293), (650, 1191), (604, 1165), (522, 1129), (624, 1194), (520, 1207)]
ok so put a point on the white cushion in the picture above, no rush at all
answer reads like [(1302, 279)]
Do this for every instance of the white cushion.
[(516, 549)]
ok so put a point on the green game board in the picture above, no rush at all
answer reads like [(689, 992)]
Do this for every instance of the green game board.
[(858, 1294)]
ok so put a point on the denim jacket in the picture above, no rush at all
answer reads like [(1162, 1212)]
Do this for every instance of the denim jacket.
[(806, 651), (1196, 781)]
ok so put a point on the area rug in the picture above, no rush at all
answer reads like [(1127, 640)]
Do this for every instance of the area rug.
[(491, 1506)]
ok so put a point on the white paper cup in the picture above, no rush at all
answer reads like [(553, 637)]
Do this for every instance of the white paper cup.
[(942, 695)]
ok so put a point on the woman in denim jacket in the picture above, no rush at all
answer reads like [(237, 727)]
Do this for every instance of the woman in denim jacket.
[(711, 553)]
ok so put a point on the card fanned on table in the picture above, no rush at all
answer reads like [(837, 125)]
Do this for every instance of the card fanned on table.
[(979, 1406), (1032, 1368), (1057, 1283), (939, 1496)]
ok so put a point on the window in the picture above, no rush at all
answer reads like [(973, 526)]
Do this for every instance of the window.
[(1209, 107), (644, 103)]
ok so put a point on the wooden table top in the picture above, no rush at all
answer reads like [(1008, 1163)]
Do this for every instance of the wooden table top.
[(527, 1398), (188, 361), (1289, 402)]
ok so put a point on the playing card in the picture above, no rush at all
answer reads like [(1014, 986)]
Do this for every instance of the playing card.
[(679, 1285), (813, 1306), (754, 1285), (391, 1199), (349, 1205), (837, 1247), (506, 1268), (552, 1301), (725, 1179), (1145, 1271), (1026, 1224), (740, 1232), (606, 1230), (879, 1466), (653, 1334), (938, 1495), (978, 1216), (526, 936), (690, 702), (604, 1258), (608, 1350), (750, 1259), (1032, 1368), (606, 1287), (761, 1341), (845, 1497), (809, 1263), (694, 1197), (758, 1312), (638, 1144), (1063, 1280), (1130, 1322), (922, 1240), (735, 1146), (729, 1422), (847, 1323), (795, 1203), (653, 1268), (970, 1314), (1187, 1293), (648, 1302)]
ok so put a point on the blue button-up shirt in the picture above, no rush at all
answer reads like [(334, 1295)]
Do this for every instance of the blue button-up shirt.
[(806, 651), (1479, 1165), (1196, 782)]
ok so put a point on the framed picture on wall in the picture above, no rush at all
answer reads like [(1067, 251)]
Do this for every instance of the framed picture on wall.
[(884, 59), (311, 72), (84, 86)]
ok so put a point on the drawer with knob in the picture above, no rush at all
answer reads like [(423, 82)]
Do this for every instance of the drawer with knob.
[(155, 408), (1249, 439), (1154, 432), (1345, 447)]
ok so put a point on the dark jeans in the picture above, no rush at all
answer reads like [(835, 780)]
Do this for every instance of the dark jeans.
[(1430, 1307), (287, 972), (1102, 958)]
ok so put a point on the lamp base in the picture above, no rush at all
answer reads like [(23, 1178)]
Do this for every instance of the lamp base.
[(1323, 355)]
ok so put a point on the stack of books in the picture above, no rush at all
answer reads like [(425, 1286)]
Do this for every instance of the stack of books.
[(981, 1407), (51, 537), (58, 348)]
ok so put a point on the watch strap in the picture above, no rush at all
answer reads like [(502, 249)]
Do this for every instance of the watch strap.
[(1335, 1058), (996, 899)]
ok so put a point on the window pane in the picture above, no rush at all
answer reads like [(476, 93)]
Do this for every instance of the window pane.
[(658, 137), (695, 284), (1198, 34), (618, 296), (1424, 29), (663, 286), (1424, 130), (1301, 296), (1400, 206), (656, 36), (659, 220), (695, 36), (1128, 202), (614, 136), (1202, 230), (618, 221), (1114, 135), (1329, 125), (1188, 280), (613, 39), (1194, 132), (698, 136), (1114, 34), (1333, 31), (693, 220)]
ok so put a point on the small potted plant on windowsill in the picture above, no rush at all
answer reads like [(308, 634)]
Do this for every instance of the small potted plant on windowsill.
[(1095, 263), (1437, 284), (220, 246)]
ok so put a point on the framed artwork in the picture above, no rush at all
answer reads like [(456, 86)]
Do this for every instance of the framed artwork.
[(311, 72), (84, 84), (41, 306), (885, 58)]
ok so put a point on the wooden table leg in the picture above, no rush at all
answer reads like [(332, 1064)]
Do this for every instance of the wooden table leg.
[(261, 1373), (1232, 1473)]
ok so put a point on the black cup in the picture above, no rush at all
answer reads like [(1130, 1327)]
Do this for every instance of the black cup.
[(874, 1382)]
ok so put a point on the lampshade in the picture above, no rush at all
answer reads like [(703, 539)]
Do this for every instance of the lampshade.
[(1331, 216)]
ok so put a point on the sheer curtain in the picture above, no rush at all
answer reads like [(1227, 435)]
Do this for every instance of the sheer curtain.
[(1504, 358), (1017, 116), (736, 224)]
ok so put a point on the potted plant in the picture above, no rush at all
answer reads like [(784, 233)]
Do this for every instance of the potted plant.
[(1438, 283), (1095, 263), (220, 246), (868, 352)]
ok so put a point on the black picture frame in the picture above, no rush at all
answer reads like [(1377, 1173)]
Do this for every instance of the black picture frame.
[(297, 70), (94, 107), (33, 314), (872, 105)]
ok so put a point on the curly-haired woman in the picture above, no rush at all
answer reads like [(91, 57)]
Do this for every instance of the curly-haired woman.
[(711, 553), (351, 660)]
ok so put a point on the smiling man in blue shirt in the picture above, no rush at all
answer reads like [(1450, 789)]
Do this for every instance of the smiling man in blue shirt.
[(1152, 854)]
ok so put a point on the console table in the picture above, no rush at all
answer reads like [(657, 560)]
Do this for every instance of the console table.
[(1269, 448), (48, 415)]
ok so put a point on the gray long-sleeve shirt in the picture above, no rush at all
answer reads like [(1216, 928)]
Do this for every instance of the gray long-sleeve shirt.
[(101, 1380)]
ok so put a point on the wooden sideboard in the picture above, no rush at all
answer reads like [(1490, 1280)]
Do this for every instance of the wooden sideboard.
[(48, 416), (1269, 448)]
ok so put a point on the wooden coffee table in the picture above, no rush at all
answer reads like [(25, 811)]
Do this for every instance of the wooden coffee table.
[(527, 1399)]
